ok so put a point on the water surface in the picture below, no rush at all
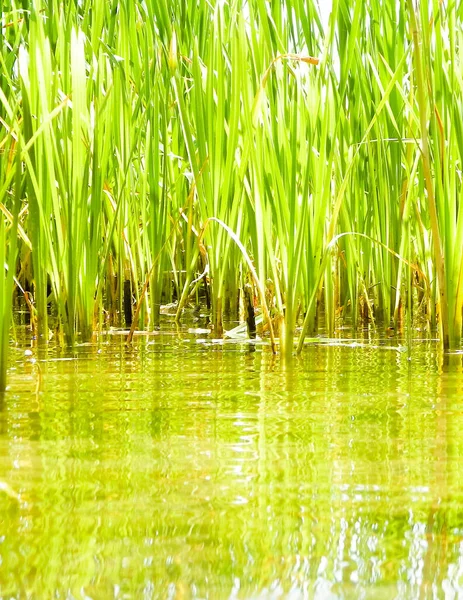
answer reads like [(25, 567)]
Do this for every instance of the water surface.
[(183, 469)]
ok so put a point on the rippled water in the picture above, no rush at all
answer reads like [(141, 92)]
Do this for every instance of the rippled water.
[(178, 469)]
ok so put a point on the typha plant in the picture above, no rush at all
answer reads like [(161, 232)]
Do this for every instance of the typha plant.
[(150, 137)]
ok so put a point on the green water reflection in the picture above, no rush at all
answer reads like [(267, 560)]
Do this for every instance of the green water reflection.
[(185, 470)]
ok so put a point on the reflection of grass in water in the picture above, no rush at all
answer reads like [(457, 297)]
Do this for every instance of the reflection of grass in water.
[(140, 124), (158, 469), (8, 490)]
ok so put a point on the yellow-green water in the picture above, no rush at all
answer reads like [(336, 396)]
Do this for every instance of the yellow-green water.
[(179, 469)]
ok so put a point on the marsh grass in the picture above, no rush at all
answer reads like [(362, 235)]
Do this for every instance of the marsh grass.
[(140, 122)]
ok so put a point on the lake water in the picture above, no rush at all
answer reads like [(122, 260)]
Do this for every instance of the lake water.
[(181, 468)]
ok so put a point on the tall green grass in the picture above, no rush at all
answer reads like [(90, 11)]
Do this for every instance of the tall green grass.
[(12, 183), (144, 126)]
